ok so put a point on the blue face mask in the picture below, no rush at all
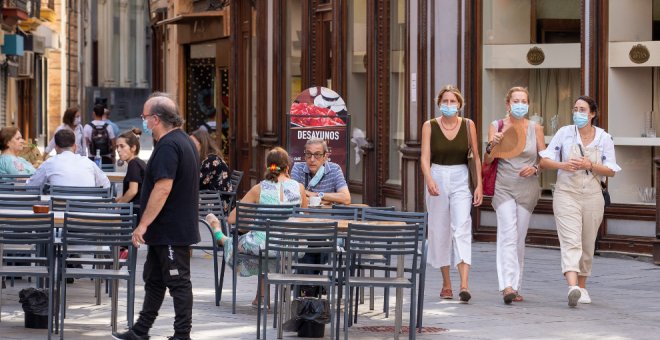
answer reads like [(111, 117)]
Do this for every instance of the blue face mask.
[(580, 119), (145, 128), (519, 110), (448, 110)]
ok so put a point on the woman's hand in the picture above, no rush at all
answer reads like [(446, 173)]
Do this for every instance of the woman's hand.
[(478, 196), (432, 187), (527, 171), (497, 137), (575, 164)]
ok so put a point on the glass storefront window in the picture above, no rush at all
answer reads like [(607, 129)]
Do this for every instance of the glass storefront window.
[(397, 87), (535, 44), (356, 94)]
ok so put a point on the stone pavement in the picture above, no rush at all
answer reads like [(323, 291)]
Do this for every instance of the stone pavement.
[(625, 294)]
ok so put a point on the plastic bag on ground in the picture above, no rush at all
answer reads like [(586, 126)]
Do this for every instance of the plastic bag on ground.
[(34, 301), (307, 310)]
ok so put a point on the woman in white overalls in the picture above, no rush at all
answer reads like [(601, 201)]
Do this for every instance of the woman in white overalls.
[(584, 156)]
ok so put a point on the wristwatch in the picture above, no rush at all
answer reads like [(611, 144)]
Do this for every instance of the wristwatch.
[(321, 195)]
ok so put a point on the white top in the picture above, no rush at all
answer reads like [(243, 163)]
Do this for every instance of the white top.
[(69, 169), (563, 141), (87, 132), (78, 131)]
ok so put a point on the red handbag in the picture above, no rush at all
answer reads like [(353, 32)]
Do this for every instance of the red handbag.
[(489, 171)]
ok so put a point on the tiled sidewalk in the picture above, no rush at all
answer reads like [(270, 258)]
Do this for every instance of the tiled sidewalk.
[(625, 294)]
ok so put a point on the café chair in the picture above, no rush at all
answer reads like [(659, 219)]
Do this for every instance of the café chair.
[(99, 230), (211, 203), (421, 219), (397, 242), (287, 241), (36, 231), (252, 217), (57, 190)]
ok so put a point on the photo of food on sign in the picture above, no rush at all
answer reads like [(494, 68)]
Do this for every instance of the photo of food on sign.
[(319, 112)]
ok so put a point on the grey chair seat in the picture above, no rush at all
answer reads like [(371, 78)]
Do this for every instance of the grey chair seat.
[(20, 270), (380, 281), (101, 273), (299, 279)]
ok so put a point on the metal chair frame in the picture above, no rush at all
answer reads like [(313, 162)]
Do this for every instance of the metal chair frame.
[(84, 229), (253, 217), (211, 203), (421, 218), (35, 230), (388, 241), (289, 240)]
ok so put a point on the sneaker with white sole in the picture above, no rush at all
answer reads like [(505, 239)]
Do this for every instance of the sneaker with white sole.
[(574, 294), (584, 296)]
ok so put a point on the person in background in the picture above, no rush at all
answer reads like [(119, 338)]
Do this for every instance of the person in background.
[(516, 190), (68, 168), (71, 121), (99, 135), (128, 148), (321, 177), (584, 156), (444, 164), (214, 172), (11, 144), (106, 118), (276, 188), (169, 223)]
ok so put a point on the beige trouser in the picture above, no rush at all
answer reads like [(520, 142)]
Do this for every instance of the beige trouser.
[(578, 216)]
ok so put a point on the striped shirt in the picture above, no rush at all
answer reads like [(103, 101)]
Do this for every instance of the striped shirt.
[(332, 180)]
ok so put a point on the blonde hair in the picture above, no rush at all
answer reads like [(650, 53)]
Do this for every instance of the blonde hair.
[(515, 89), (453, 89)]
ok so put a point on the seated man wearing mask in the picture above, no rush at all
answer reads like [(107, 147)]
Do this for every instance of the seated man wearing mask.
[(320, 177), (68, 168)]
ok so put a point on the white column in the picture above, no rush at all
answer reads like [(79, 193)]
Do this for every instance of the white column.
[(140, 46), (102, 58), (109, 52), (124, 39)]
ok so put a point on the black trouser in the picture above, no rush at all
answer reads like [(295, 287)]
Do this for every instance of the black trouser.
[(167, 267)]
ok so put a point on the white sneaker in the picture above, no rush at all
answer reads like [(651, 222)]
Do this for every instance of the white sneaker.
[(584, 296), (574, 294)]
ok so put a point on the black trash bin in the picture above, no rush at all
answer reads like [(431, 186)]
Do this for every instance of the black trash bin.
[(310, 317), (35, 306)]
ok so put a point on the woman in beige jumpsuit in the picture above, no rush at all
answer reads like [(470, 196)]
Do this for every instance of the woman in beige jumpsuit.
[(584, 156)]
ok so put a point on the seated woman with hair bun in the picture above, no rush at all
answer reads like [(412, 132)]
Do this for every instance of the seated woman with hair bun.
[(276, 188)]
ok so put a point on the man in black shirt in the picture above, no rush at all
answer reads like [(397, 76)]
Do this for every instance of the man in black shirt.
[(169, 221)]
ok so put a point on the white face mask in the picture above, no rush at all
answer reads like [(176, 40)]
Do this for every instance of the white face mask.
[(76, 121)]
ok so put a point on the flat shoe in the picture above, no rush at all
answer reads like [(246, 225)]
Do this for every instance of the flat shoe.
[(573, 296), (518, 298), (446, 293), (464, 295), (210, 218), (508, 298)]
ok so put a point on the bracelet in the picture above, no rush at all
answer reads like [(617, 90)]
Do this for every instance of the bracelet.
[(536, 169), (591, 168), (489, 147)]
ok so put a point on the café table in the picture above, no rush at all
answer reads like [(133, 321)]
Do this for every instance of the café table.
[(116, 176)]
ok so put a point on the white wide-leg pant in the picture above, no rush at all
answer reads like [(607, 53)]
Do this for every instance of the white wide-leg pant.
[(512, 225), (450, 223)]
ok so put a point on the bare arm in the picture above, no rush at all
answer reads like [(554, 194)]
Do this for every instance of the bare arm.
[(155, 204), (304, 201), (252, 196), (478, 191), (343, 196), (492, 140), (425, 160), (129, 194)]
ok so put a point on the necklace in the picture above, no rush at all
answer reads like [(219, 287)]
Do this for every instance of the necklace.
[(446, 128), (589, 135)]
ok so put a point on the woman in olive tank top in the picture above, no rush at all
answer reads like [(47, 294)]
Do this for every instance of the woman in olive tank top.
[(444, 163)]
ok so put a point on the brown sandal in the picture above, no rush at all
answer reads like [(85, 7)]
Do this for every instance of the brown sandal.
[(446, 293), (518, 298), (465, 295)]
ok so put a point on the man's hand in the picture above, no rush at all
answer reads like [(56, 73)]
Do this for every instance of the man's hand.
[(138, 235), (311, 193)]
